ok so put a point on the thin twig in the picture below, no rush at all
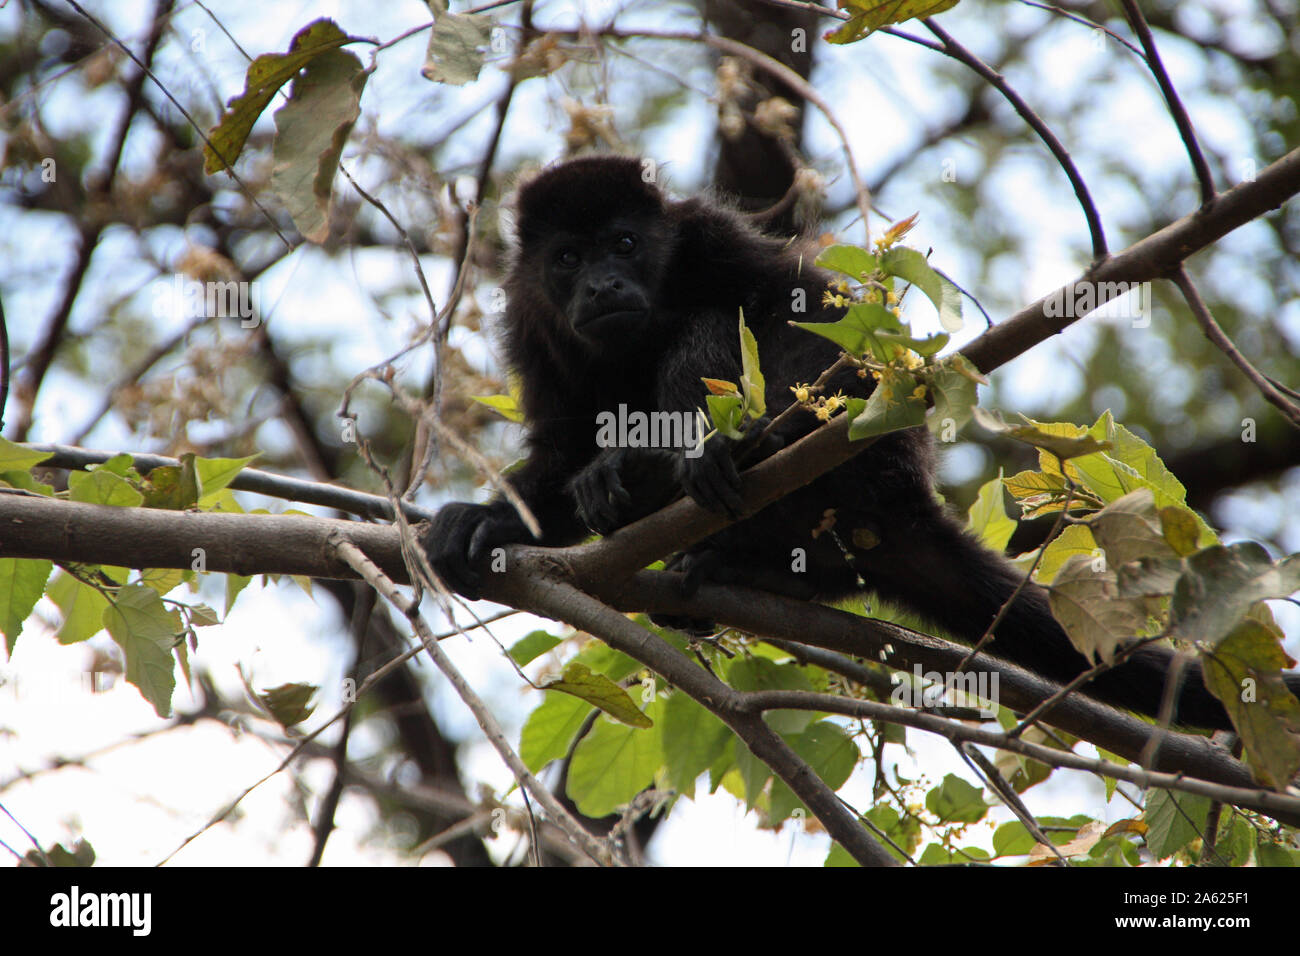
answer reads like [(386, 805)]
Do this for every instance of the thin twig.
[(1093, 24), (1007, 793), (1213, 332), (306, 741), (203, 135), (596, 849), (958, 52), (761, 701), (1024, 581), (1176, 108)]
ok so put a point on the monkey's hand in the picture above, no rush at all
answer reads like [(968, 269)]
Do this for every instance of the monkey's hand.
[(712, 478), (698, 566), (599, 492), (461, 536)]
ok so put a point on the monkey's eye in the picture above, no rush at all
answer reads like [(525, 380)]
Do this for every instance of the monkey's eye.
[(567, 259), (625, 244)]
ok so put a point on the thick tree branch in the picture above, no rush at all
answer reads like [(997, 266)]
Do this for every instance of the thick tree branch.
[(37, 527), (1157, 256), (534, 588)]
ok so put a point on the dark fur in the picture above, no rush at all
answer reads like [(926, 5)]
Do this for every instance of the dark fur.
[(701, 263)]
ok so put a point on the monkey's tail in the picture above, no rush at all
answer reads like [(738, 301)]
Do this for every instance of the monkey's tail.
[(939, 571)]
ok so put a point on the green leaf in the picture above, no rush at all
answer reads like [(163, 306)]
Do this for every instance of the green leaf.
[(1273, 854), (21, 583), (1181, 529), (988, 517), (265, 76), (550, 728), (727, 413), (145, 631), (288, 704), (751, 377), (599, 690), (311, 130), (172, 487), (851, 261), (503, 405), (1065, 441), (910, 265), (1128, 529), (234, 584), (102, 487), (455, 48), (203, 616), (893, 405), (215, 473), (1175, 820), (954, 393), (614, 763), (26, 481), (1245, 673), (1012, 839), (1086, 602), (870, 15), (903, 830), (693, 740), (81, 605), (856, 331), (753, 774), (956, 801), (1075, 539), (532, 646), (758, 673), (15, 457), (829, 751), (120, 464), (163, 580), (838, 856), (932, 345), (1221, 584), (603, 659), (1140, 458)]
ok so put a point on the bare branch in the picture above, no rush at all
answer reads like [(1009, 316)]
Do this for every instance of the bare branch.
[(1176, 107), (597, 849), (1214, 332), (958, 52), (1285, 807), (1157, 256)]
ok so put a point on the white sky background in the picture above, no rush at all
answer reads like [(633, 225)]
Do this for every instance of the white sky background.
[(137, 802)]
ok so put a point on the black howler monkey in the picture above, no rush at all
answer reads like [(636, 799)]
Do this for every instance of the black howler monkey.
[(621, 297)]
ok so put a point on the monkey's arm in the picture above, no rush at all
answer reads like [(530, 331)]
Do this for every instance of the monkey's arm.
[(620, 485), (709, 348), (462, 536)]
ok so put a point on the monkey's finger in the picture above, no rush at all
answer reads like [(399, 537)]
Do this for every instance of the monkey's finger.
[(767, 446), (710, 489), (615, 490), (487, 537), (724, 487), (454, 572), (702, 569)]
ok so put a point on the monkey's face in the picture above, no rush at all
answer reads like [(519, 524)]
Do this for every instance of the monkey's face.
[(604, 282)]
